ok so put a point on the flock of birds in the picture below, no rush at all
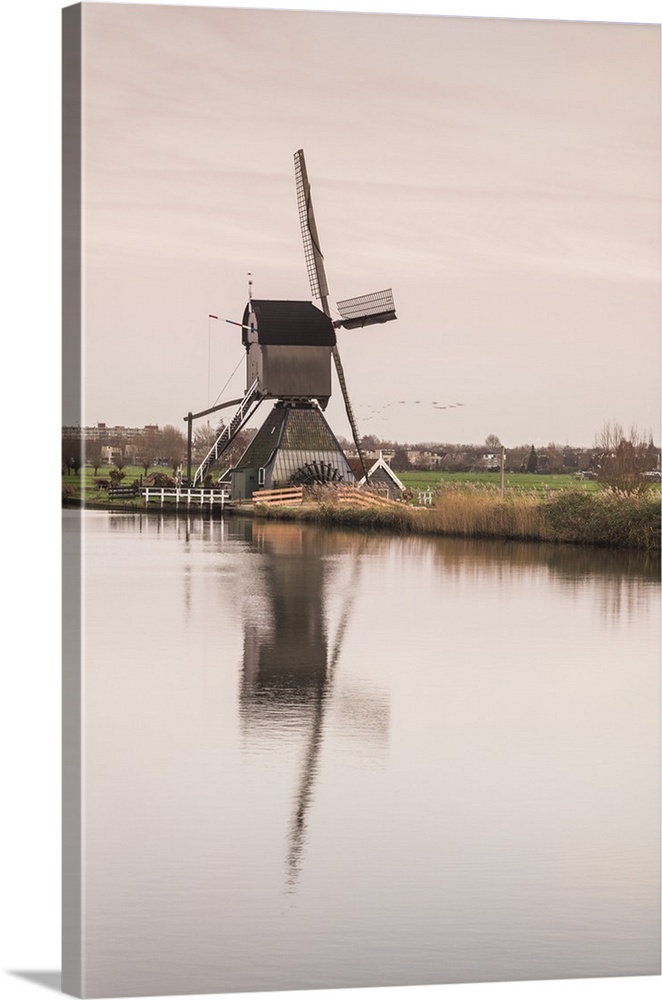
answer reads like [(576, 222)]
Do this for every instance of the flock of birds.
[(370, 412)]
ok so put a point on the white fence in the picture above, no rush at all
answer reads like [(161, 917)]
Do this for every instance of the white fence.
[(185, 494)]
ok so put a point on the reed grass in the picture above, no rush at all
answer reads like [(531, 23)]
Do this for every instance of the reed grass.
[(482, 512), (608, 517)]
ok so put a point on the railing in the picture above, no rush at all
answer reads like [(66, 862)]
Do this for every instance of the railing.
[(123, 492), (288, 495), (186, 494), (250, 402)]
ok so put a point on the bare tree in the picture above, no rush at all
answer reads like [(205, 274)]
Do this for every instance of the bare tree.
[(492, 442), (92, 450), (72, 452), (554, 453), (237, 447), (400, 461), (149, 447), (172, 446), (119, 454), (516, 458), (622, 460), (204, 438)]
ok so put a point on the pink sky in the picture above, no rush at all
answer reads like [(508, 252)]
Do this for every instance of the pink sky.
[(501, 175)]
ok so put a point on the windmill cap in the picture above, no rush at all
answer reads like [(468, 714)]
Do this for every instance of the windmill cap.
[(281, 321)]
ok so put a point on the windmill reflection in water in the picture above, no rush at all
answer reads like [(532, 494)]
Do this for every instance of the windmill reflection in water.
[(292, 653)]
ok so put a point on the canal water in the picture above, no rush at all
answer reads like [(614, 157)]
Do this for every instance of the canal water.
[(317, 758)]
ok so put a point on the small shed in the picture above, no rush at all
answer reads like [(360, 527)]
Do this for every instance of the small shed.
[(382, 477)]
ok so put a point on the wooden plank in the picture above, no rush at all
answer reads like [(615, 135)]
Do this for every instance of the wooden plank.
[(361, 498), (289, 495)]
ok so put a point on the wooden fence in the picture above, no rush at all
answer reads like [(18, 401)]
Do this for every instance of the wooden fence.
[(123, 492), (289, 496), (363, 498)]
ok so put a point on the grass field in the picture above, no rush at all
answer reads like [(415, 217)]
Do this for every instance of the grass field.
[(83, 483), (512, 480)]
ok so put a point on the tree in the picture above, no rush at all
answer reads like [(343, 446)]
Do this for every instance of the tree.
[(72, 452), (149, 447), (172, 446), (532, 460), (93, 453), (237, 447), (203, 440), (119, 450), (400, 461), (369, 442), (621, 460), (570, 458), (554, 454), (516, 458), (492, 442), (205, 437)]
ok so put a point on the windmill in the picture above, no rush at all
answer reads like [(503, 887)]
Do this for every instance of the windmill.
[(289, 346)]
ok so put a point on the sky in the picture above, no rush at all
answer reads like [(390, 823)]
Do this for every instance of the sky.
[(501, 175)]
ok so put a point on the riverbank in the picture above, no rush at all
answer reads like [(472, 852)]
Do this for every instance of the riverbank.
[(604, 518), (607, 518)]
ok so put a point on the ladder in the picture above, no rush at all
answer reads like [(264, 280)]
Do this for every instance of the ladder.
[(250, 402)]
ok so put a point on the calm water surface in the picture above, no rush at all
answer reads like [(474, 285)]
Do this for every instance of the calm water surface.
[(315, 758)]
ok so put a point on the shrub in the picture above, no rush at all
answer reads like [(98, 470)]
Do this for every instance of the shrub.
[(611, 517)]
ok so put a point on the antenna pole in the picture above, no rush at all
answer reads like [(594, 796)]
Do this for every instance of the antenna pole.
[(189, 447), (209, 319)]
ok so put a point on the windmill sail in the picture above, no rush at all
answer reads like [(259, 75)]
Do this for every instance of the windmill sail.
[(364, 310), (317, 277), (311, 246), (349, 411)]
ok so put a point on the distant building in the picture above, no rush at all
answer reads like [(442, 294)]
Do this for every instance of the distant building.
[(490, 462), (113, 442)]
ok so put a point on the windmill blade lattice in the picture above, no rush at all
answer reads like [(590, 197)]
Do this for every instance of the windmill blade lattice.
[(311, 246), (365, 310)]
